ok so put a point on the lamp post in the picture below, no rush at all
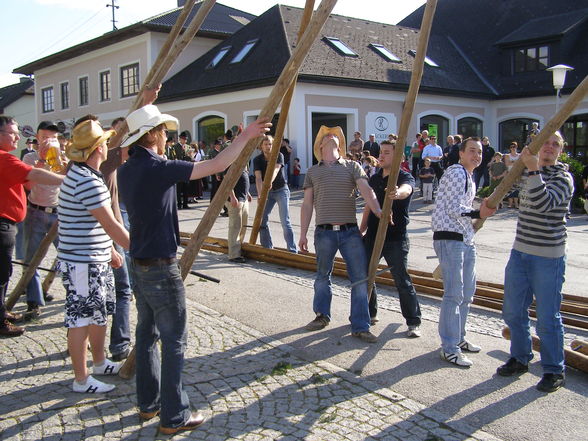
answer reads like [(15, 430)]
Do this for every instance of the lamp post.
[(559, 79)]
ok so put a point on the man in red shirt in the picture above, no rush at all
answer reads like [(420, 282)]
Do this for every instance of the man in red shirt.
[(13, 174)]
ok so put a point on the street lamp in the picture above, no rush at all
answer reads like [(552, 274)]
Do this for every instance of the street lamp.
[(559, 78)]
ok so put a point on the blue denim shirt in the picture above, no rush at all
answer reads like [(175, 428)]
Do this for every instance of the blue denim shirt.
[(146, 185)]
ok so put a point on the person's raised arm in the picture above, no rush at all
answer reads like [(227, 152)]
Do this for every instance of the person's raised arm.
[(42, 176)]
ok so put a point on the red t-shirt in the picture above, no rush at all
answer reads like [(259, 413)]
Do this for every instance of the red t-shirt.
[(13, 173)]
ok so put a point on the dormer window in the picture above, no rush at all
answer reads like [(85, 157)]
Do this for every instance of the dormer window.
[(428, 61), (244, 51), (531, 59), (385, 53), (341, 47), (218, 57)]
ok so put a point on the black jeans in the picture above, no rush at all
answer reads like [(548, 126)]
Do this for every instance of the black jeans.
[(396, 255), (7, 241)]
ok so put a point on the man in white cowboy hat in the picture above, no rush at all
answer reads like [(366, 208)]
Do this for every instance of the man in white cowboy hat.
[(146, 184), (329, 187), (85, 253)]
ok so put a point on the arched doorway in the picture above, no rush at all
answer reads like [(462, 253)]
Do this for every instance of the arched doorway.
[(436, 125), (514, 130), (210, 128), (470, 126)]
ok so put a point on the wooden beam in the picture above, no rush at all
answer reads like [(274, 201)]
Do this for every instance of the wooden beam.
[(271, 163), (284, 81), (409, 104)]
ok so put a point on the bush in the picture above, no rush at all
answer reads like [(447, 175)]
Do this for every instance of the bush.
[(576, 168)]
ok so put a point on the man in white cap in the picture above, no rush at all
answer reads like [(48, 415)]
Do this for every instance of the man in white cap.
[(329, 187), (146, 184)]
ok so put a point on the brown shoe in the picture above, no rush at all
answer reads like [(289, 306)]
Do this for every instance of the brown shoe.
[(7, 329), (319, 322), (195, 420), (13, 318), (366, 336), (146, 416)]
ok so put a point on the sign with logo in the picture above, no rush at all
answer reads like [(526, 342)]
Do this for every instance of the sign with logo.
[(380, 124), (27, 131)]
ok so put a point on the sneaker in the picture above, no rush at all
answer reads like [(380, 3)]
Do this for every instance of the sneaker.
[(551, 382), (7, 329), (365, 336), (469, 347), (121, 355), (33, 312), (456, 358), (13, 318), (92, 386), (512, 367), (106, 368), (413, 331), (319, 322)]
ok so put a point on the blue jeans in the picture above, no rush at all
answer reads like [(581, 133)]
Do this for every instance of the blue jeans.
[(282, 198), (36, 225), (350, 244), (395, 253), (161, 311), (458, 262), (120, 331), (527, 276)]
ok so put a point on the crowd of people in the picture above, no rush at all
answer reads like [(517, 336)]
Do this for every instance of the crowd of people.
[(117, 210)]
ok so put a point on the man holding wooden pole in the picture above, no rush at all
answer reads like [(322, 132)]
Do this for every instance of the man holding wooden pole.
[(537, 265), (146, 183)]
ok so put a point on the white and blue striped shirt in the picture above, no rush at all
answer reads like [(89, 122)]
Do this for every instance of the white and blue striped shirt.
[(81, 237)]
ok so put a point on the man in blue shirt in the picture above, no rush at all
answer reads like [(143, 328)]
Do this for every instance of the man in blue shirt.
[(146, 183)]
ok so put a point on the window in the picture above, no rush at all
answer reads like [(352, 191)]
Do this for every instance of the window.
[(65, 95), (243, 52), (385, 53), (129, 80), (105, 86), (340, 47), (47, 99), (470, 126), (531, 59), (217, 59), (427, 59), (84, 91)]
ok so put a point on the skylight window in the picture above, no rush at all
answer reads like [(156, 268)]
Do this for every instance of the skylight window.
[(427, 59), (218, 57), (384, 52), (243, 52), (340, 46)]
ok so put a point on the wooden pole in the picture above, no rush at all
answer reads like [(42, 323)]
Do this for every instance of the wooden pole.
[(574, 359), (517, 169), (409, 104), (284, 81), (49, 278), (27, 275), (271, 164), (580, 346)]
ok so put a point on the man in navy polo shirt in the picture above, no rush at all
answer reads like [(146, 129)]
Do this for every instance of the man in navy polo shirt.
[(146, 183), (396, 245)]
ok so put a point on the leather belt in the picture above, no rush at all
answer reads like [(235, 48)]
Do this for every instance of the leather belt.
[(343, 227), (155, 261), (8, 221), (50, 210)]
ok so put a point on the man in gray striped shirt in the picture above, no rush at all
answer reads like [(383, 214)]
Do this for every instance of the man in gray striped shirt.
[(537, 265), (329, 187)]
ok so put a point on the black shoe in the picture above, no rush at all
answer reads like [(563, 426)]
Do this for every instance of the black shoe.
[(512, 367), (239, 259), (551, 382), (121, 355), (33, 312), (48, 297), (223, 214)]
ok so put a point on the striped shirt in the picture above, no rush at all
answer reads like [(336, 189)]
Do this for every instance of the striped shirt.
[(81, 237), (333, 190), (544, 200)]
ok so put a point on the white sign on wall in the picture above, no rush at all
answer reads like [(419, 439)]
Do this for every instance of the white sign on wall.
[(380, 124)]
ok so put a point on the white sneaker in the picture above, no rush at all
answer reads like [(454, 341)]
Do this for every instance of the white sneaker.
[(413, 331), (107, 368), (469, 347), (92, 386), (456, 358)]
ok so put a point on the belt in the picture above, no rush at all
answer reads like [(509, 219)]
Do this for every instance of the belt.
[(155, 261), (343, 227), (50, 210), (8, 221)]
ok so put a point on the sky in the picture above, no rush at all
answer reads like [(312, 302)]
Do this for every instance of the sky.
[(38, 28)]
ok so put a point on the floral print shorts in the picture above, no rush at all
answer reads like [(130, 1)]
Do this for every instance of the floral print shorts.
[(90, 294)]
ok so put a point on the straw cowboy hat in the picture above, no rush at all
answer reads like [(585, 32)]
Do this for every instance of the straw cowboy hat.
[(86, 137), (144, 119), (324, 131)]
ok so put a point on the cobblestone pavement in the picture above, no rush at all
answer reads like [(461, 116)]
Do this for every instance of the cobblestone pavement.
[(249, 387)]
